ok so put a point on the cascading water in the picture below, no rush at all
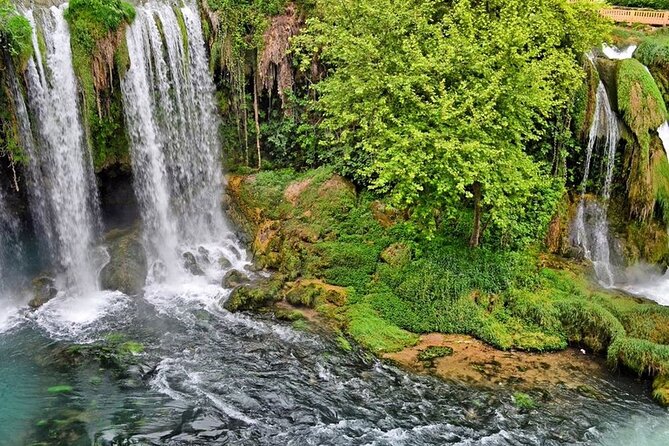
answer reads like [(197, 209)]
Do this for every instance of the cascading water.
[(64, 171), (173, 125), (590, 229), (11, 254), (614, 53)]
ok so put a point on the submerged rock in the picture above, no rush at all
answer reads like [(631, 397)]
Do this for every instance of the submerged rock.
[(43, 290), (128, 267)]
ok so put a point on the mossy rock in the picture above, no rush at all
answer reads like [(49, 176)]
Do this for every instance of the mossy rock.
[(128, 266), (397, 254), (434, 352), (310, 293), (234, 278), (255, 296)]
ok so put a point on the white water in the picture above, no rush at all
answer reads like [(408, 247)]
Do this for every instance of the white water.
[(615, 53), (590, 229), (172, 120), (65, 169), (663, 133)]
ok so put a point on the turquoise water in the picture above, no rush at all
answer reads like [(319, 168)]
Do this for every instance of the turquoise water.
[(208, 377)]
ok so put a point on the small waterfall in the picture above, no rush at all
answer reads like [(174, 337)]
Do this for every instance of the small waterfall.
[(663, 133), (168, 97), (614, 53), (61, 172), (590, 229)]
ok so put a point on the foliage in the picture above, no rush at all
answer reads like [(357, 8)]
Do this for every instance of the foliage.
[(100, 55), (653, 4), (425, 103), (15, 33), (433, 352), (524, 401), (375, 333)]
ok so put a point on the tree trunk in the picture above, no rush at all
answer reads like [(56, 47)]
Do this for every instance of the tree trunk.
[(476, 230), (256, 116)]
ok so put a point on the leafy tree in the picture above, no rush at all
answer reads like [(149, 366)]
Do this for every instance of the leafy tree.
[(434, 102)]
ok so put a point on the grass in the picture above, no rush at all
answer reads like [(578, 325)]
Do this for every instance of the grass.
[(375, 333)]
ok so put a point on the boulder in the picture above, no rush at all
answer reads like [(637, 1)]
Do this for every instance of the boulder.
[(128, 267), (234, 278), (255, 296), (43, 290), (190, 263)]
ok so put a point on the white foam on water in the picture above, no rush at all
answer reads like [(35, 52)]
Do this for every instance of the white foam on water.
[(616, 53), (11, 316), (663, 133), (77, 316)]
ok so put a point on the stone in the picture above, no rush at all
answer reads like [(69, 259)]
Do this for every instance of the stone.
[(224, 263), (128, 266), (254, 296), (234, 278), (43, 290), (190, 263)]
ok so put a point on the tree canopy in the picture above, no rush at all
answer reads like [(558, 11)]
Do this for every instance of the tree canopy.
[(438, 103)]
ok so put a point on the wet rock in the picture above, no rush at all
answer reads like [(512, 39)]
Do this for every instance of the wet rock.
[(254, 296), (190, 263), (128, 267), (204, 254), (224, 263), (43, 290), (234, 278)]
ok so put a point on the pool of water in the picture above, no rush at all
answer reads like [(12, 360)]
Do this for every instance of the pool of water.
[(222, 378)]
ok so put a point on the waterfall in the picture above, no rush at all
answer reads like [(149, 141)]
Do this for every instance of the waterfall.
[(168, 97), (10, 247), (590, 229), (61, 170), (614, 53)]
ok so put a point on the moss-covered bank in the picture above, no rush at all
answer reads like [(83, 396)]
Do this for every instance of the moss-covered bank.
[(363, 268), (100, 58)]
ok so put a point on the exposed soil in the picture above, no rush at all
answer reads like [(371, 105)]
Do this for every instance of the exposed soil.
[(475, 363)]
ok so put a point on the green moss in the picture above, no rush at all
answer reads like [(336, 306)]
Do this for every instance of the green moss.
[(60, 389), (661, 389), (375, 333), (639, 355), (343, 343), (15, 33), (91, 23), (523, 401), (639, 101), (434, 352)]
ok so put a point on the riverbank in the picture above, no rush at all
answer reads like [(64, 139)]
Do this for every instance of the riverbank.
[(351, 259)]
